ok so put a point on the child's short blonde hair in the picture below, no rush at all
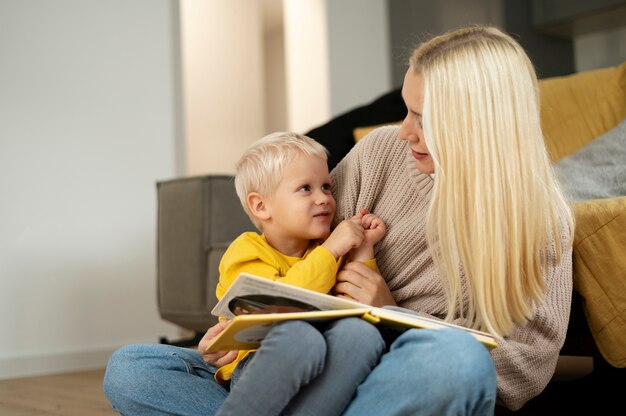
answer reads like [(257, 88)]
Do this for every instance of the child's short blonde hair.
[(260, 168)]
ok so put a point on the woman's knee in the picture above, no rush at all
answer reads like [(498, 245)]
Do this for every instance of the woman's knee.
[(121, 367), (141, 361), (118, 376), (148, 379), (122, 361), (130, 357), (128, 353), (467, 361)]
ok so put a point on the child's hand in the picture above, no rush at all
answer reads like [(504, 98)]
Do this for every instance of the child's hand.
[(347, 235), (373, 226), (373, 231)]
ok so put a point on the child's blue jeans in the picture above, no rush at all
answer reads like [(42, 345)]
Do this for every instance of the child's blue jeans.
[(305, 369)]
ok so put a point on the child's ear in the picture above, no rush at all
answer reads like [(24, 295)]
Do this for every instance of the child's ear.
[(258, 207)]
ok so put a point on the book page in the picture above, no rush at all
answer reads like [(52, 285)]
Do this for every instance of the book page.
[(254, 294)]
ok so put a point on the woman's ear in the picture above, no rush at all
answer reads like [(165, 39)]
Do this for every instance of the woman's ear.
[(258, 206)]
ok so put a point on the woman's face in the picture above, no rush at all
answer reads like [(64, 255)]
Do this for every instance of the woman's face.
[(411, 129)]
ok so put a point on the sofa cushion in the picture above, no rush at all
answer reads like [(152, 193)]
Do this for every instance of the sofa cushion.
[(598, 170), (577, 108), (600, 272)]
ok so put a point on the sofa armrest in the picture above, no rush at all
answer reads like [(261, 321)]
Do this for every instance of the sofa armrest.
[(197, 218), (600, 272)]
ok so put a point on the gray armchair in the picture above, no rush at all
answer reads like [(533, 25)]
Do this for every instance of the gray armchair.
[(198, 217)]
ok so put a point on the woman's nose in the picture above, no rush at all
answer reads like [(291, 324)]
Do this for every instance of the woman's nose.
[(406, 132)]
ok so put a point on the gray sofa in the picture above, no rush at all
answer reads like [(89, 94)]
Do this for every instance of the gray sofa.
[(197, 218)]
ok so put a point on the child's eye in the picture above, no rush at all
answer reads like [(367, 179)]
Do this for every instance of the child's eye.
[(327, 187), (305, 188)]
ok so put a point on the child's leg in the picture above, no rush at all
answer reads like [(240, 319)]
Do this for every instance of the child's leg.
[(354, 348), (290, 356)]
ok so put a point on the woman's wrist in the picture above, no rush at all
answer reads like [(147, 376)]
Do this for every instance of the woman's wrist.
[(363, 253)]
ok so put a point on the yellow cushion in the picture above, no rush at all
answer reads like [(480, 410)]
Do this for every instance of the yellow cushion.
[(360, 132), (600, 272), (577, 108)]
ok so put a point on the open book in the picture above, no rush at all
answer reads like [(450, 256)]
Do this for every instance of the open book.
[(254, 304)]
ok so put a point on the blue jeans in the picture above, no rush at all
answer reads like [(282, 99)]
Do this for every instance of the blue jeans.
[(425, 372), (429, 372), (302, 369)]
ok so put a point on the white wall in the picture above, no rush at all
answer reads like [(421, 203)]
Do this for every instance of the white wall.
[(413, 22), (88, 124), (359, 52), (274, 66), (222, 60), (303, 61), (306, 63), (600, 49)]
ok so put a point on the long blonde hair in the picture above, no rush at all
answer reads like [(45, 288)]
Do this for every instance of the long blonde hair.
[(496, 205)]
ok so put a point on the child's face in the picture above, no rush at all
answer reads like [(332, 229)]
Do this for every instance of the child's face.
[(303, 206)]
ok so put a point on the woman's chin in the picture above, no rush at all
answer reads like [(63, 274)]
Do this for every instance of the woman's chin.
[(424, 167)]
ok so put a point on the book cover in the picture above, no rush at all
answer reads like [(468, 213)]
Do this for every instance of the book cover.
[(254, 304)]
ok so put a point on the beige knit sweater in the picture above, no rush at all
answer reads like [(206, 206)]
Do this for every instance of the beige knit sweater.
[(380, 175)]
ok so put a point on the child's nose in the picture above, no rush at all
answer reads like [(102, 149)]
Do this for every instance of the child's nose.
[(323, 198)]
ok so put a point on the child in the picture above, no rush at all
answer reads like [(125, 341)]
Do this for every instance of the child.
[(284, 186)]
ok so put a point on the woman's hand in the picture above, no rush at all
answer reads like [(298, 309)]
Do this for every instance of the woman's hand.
[(220, 358), (358, 282)]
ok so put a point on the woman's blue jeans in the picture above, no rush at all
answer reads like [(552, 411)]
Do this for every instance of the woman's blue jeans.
[(424, 372)]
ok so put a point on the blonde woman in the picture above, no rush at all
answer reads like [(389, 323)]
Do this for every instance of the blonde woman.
[(478, 234), (478, 231)]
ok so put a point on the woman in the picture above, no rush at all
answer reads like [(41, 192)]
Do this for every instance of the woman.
[(478, 233)]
